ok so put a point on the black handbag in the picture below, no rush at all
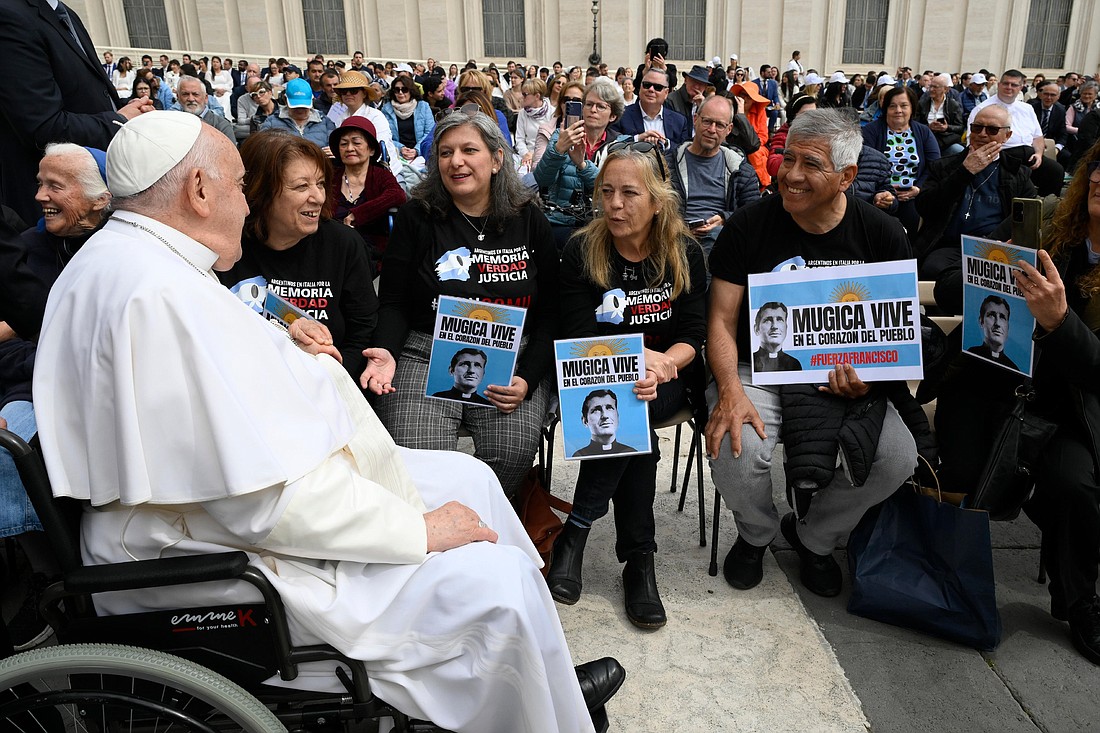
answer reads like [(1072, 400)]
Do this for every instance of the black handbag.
[(1007, 480)]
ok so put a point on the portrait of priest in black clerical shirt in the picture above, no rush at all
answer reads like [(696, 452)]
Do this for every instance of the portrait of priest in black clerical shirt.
[(993, 318), (600, 413), (771, 331), (468, 369)]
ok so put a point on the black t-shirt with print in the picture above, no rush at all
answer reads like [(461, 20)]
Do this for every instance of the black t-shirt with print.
[(328, 276), (637, 307), (515, 264), (764, 238)]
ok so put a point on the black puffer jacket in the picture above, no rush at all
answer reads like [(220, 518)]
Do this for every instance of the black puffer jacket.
[(816, 426)]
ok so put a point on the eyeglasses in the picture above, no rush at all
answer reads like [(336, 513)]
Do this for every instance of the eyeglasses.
[(256, 94), (706, 122), (976, 129), (598, 106), (654, 86), (645, 148)]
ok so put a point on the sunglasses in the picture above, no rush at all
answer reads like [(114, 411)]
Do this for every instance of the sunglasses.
[(470, 89), (654, 85), (645, 148), (976, 129), (400, 90), (469, 109), (350, 91)]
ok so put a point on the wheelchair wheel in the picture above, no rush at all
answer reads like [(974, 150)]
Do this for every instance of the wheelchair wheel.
[(107, 688)]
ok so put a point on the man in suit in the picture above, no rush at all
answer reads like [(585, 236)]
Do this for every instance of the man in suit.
[(1051, 113), (649, 120), (769, 88), (63, 96), (240, 74), (109, 64)]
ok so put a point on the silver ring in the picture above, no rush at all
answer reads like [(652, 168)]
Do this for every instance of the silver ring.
[(481, 524)]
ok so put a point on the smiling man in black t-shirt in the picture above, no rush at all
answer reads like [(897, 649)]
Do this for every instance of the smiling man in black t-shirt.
[(811, 223)]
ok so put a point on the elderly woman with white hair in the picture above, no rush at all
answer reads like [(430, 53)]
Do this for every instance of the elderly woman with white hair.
[(74, 200)]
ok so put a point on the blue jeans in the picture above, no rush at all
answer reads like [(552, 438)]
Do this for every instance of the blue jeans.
[(16, 513)]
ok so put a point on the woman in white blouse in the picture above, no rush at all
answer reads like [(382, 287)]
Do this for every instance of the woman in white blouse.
[(222, 83), (123, 78)]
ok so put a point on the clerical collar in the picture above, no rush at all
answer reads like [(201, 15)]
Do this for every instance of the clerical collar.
[(191, 251)]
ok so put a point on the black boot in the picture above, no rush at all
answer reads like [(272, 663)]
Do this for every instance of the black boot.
[(643, 602), (564, 577)]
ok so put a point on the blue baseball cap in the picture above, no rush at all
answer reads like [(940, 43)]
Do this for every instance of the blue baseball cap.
[(299, 93)]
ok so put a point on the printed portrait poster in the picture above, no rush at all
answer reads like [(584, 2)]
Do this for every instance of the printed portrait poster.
[(997, 324), (601, 417), (474, 344), (804, 322)]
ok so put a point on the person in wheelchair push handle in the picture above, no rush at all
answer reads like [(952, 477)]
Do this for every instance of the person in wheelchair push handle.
[(192, 426)]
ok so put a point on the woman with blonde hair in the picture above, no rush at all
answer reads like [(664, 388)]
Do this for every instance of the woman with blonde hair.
[(473, 80), (639, 247)]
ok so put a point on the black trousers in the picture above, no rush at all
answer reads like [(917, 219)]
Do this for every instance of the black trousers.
[(1066, 506), (630, 482)]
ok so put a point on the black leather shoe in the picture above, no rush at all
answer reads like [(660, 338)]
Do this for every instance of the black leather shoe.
[(744, 565), (643, 602), (820, 573), (564, 577), (599, 680), (1084, 628)]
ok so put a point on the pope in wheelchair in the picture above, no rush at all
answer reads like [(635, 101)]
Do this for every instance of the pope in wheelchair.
[(190, 425)]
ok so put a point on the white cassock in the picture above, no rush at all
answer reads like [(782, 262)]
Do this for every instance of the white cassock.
[(194, 426)]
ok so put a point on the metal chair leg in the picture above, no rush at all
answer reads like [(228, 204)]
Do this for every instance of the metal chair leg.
[(699, 481), (1042, 578), (713, 570), (675, 463), (687, 469)]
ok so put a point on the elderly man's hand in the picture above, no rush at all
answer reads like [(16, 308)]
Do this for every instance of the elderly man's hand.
[(313, 337), (454, 525), (844, 382), (978, 158), (378, 376), (727, 417)]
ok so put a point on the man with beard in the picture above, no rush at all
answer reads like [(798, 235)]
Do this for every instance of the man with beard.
[(192, 98)]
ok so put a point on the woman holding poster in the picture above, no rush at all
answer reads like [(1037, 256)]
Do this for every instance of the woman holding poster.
[(470, 231), (640, 254), (1064, 296)]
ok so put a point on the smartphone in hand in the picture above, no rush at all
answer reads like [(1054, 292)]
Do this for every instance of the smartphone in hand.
[(573, 112)]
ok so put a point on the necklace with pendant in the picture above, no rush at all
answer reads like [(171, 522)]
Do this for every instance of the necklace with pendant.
[(480, 232), (167, 244)]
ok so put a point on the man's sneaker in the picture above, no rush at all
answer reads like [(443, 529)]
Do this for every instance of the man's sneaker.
[(1084, 628), (27, 628), (744, 565), (820, 573)]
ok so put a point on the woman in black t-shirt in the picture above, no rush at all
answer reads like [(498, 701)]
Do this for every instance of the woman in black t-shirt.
[(642, 248), (470, 231), (317, 264)]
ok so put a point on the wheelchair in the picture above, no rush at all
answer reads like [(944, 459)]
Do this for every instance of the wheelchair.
[(195, 669)]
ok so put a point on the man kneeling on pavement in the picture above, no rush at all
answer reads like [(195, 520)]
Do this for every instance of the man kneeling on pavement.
[(812, 223)]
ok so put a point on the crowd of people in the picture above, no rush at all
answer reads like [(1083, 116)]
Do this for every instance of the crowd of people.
[(662, 187)]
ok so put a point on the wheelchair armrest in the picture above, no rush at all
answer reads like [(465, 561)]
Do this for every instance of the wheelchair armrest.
[(153, 573)]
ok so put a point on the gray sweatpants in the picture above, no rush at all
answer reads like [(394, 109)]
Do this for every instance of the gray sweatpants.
[(746, 483)]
